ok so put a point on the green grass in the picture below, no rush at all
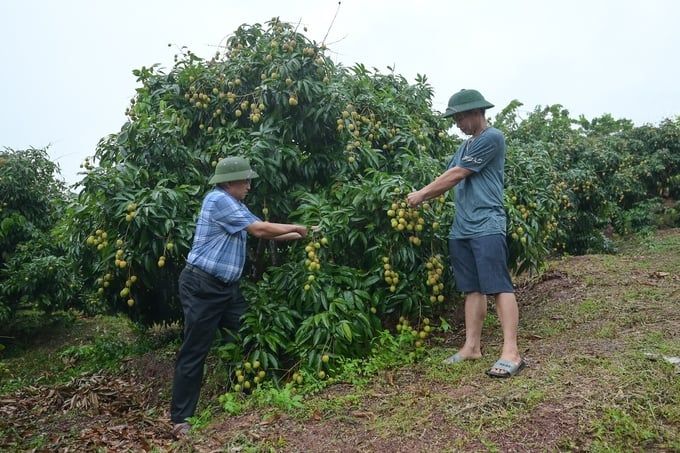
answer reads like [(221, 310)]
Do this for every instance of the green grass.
[(658, 342), (58, 351), (589, 308), (608, 330), (643, 414), (491, 321), (548, 327), (335, 406), (402, 414), (435, 370)]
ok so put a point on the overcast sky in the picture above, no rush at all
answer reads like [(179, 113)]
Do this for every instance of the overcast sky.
[(66, 65)]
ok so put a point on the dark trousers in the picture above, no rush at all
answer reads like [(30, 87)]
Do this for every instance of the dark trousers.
[(208, 304)]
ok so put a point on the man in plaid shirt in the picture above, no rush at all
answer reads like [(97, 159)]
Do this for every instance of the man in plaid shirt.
[(208, 285)]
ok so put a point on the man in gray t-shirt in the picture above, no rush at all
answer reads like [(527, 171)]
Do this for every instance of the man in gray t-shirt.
[(477, 245), (479, 199)]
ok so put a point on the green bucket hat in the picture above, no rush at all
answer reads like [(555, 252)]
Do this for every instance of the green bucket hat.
[(466, 100), (232, 169)]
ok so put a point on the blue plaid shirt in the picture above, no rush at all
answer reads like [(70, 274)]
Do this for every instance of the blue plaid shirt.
[(219, 246)]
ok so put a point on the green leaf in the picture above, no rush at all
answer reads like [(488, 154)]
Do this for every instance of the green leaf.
[(347, 330)]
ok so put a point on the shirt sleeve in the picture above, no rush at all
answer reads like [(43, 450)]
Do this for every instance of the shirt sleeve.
[(232, 216), (454, 158), (482, 151)]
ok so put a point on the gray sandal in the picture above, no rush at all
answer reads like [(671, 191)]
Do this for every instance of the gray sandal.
[(509, 369), (455, 358)]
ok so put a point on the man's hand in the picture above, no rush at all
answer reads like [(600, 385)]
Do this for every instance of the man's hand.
[(301, 230), (415, 198), (444, 182)]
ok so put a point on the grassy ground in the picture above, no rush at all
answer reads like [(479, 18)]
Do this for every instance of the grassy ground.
[(594, 330)]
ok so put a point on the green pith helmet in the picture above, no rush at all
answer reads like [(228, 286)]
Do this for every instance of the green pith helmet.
[(232, 169), (466, 100)]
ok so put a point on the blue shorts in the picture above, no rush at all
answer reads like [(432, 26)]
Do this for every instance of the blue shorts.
[(480, 265)]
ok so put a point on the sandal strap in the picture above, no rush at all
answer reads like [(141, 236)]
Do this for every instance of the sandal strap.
[(504, 365)]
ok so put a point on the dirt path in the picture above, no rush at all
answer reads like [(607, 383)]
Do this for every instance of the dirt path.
[(594, 330)]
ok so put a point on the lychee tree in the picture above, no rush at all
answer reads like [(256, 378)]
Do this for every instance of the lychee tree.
[(335, 147), (35, 271), (607, 174)]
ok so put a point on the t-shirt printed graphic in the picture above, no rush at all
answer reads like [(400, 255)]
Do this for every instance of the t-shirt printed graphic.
[(479, 197)]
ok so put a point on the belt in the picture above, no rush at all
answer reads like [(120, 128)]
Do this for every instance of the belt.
[(199, 271)]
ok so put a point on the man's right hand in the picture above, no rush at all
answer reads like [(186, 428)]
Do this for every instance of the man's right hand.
[(415, 198)]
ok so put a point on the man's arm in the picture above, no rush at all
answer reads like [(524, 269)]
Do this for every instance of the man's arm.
[(444, 182), (269, 230), (287, 237)]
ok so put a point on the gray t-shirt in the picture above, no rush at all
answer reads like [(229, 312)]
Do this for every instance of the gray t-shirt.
[(479, 197)]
